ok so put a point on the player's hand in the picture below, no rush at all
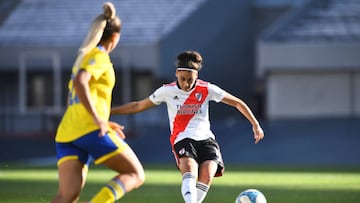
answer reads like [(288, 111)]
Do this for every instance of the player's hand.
[(118, 129), (258, 133), (103, 127)]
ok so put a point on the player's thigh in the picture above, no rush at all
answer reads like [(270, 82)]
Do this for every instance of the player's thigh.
[(207, 171), (125, 162), (187, 164), (186, 155), (72, 176)]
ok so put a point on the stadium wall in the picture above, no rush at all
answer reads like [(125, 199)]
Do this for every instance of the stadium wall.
[(310, 80)]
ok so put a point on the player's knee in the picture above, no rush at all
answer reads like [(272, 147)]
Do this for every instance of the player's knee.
[(205, 178), (140, 176), (187, 164)]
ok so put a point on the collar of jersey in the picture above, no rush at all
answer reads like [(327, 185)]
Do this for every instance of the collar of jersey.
[(100, 47), (177, 84)]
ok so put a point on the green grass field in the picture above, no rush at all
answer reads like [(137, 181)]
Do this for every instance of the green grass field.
[(20, 184)]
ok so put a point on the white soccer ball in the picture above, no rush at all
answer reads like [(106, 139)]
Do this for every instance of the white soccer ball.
[(250, 196)]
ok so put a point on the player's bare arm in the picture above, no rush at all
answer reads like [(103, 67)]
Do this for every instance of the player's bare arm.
[(133, 107), (81, 85), (245, 110)]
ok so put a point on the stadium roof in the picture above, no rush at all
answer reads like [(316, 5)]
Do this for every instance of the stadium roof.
[(65, 22), (319, 20)]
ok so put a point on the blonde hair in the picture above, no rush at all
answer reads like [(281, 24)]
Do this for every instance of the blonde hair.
[(97, 28), (101, 28)]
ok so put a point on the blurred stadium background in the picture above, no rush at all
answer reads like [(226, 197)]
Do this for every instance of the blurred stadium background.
[(295, 62)]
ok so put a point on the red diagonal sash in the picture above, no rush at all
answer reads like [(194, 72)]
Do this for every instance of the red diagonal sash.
[(181, 121)]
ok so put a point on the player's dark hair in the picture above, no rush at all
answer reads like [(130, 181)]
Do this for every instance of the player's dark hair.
[(189, 59)]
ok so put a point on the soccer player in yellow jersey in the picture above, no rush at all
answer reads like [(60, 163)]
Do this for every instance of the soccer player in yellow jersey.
[(85, 133)]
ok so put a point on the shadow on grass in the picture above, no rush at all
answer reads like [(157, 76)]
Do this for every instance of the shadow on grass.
[(42, 191)]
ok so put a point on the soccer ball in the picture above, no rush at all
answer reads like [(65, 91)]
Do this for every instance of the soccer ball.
[(250, 196)]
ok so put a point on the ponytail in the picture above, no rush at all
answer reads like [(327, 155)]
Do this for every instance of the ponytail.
[(97, 28)]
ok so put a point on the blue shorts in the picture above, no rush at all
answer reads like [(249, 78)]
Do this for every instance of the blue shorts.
[(91, 147)]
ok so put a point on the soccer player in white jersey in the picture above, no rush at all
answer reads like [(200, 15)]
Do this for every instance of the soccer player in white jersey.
[(194, 146)]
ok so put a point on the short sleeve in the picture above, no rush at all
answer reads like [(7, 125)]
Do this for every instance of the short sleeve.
[(215, 93), (158, 96), (96, 64)]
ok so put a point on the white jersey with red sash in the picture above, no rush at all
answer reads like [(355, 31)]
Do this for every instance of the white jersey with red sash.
[(188, 112)]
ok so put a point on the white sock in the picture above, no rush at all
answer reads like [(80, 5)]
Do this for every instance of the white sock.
[(202, 190), (188, 187)]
